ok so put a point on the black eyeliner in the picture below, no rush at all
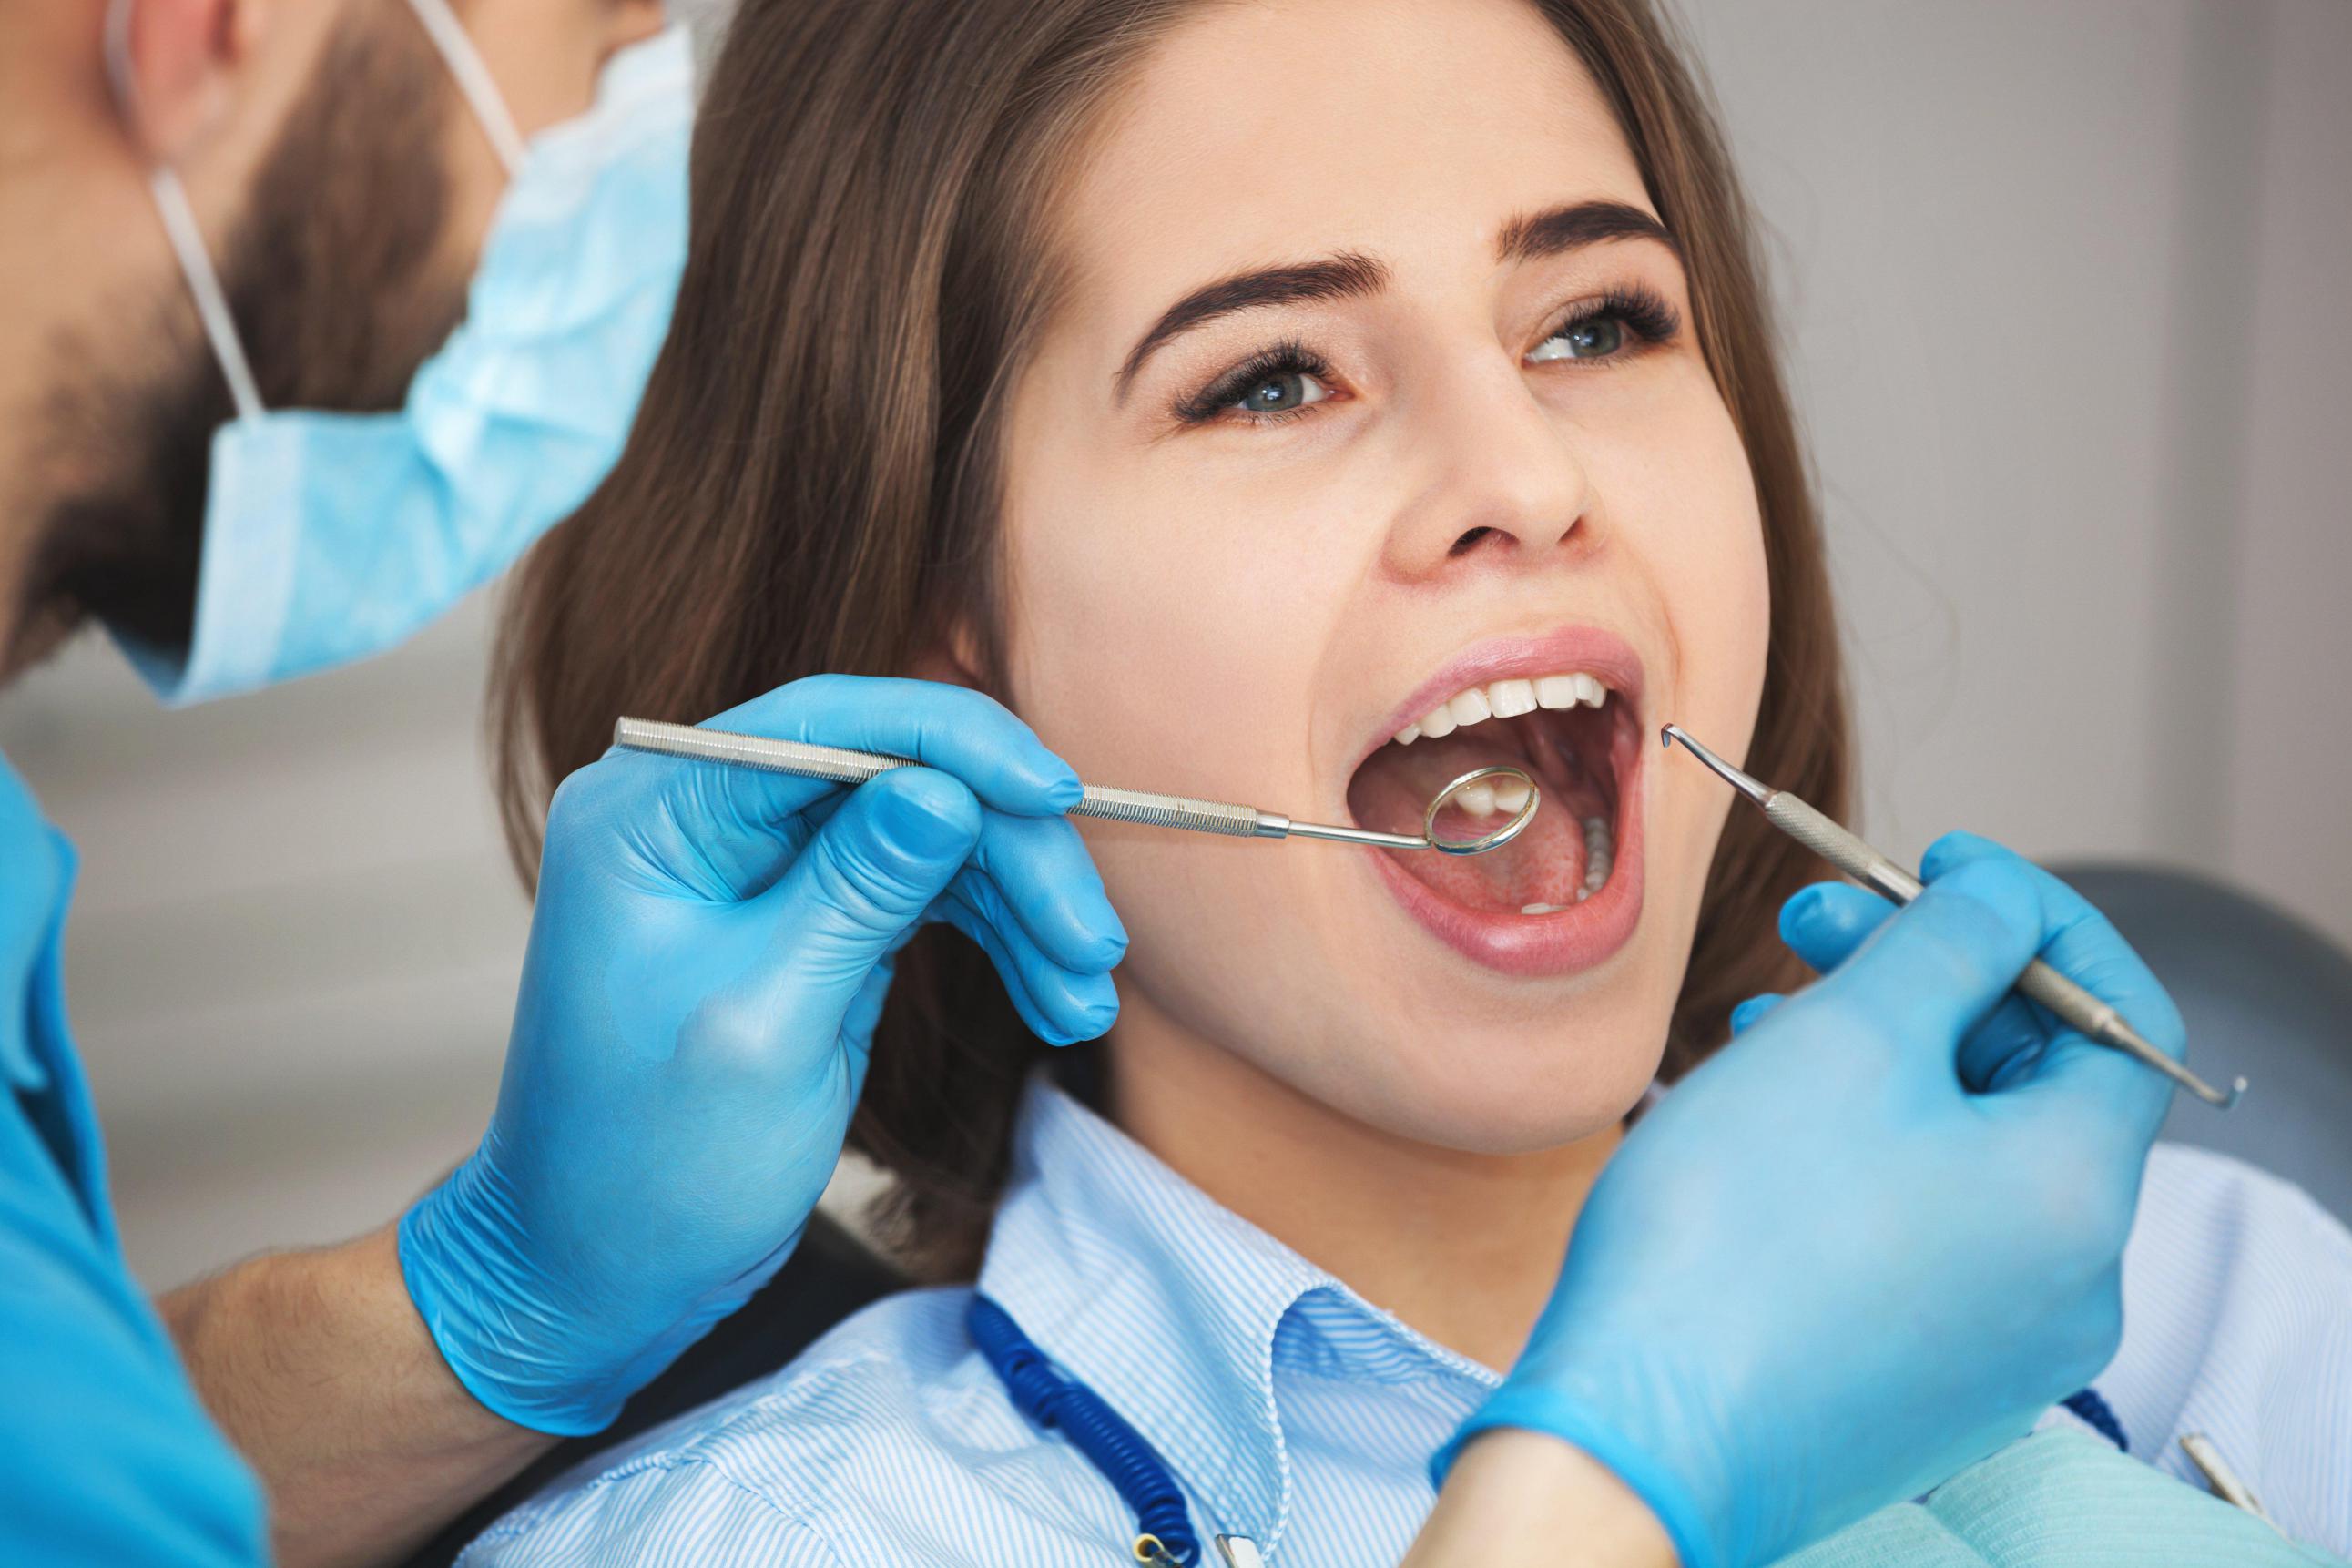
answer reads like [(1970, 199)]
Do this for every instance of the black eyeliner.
[(1645, 312), (1290, 357)]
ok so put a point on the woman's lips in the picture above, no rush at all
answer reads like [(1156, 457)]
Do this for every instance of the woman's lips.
[(1589, 649), (1579, 937)]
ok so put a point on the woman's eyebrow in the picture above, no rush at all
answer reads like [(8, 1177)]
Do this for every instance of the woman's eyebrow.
[(1534, 236), (1345, 275), (1350, 275)]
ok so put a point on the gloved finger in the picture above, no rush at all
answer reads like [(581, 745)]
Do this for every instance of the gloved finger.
[(1079, 1002), (1827, 920), (2076, 1077), (2063, 1083), (1049, 884), (1059, 1005), (1824, 924), (1749, 1013), (1960, 847), (2011, 1042), (953, 911), (2083, 944), (720, 833), (867, 877), (730, 831), (1935, 969), (954, 728), (2008, 1044), (864, 1013)]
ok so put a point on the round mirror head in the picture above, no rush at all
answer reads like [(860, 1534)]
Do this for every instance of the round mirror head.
[(1484, 809)]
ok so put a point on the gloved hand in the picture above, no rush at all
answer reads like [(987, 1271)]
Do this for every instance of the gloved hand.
[(707, 961), (1822, 1274)]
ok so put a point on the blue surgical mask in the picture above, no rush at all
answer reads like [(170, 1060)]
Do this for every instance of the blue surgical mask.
[(329, 537)]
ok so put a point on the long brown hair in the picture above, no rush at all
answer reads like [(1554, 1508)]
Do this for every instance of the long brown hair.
[(811, 484)]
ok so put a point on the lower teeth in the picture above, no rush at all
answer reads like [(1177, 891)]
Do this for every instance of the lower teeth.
[(1600, 856)]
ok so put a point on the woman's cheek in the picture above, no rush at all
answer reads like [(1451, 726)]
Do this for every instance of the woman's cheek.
[(1714, 580), (1158, 640), (1703, 550)]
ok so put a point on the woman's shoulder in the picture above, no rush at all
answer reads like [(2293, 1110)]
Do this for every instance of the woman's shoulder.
[(891, 1400), (2187, 1175), (2238, 1324), (2230, 1265), (2214, 1232)]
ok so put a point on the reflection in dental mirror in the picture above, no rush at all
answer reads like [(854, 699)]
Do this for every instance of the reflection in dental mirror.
[(1461, 818)]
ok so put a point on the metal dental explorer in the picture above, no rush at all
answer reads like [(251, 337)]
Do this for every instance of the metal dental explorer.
[(1850, 855), (844, 767)]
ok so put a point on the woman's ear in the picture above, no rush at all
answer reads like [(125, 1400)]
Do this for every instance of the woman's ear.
[(628, 22), (953, 659), (174, 66)]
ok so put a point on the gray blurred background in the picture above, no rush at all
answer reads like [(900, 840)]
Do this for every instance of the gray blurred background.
[(2065, 290)]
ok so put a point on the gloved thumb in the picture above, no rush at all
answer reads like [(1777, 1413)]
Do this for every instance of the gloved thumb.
[(865, 881), (1750, 1013), (1937, 966)]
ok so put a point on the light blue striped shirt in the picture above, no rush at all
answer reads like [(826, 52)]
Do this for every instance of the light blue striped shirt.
[(1297, 1413)]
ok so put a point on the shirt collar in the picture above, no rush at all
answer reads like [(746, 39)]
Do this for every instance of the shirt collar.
[(1168, 1305), (37, 870)]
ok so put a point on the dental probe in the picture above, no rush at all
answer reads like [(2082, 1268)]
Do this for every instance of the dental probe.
[(1850, 855), (842, 765)]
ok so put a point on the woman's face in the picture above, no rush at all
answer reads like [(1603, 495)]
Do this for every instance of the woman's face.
[(1375, 396)]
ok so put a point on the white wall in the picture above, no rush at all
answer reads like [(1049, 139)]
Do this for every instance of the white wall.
[(2065, 288), (293, 945), (2282, 732), (2065, 284)]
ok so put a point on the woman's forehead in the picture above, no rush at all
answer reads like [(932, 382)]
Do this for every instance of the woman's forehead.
[(1410, 131)]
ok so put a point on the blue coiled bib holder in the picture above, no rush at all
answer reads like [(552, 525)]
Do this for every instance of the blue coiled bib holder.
[(1119, 1453), (1115, 1448)]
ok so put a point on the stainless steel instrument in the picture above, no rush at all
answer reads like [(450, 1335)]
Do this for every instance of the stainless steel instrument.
[(1857, 859), (843, 765)]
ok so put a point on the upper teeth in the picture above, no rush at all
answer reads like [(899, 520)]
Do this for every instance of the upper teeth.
[(1505, 699)]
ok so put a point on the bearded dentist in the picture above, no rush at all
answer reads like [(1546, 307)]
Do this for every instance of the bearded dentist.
[(230, 233), (241, 433)]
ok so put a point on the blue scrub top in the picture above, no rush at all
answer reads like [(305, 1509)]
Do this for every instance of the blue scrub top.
[(106, 1456)]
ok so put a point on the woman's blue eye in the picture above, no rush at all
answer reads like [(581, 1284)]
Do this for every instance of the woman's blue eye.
[(1595, 337), (1282, 392)]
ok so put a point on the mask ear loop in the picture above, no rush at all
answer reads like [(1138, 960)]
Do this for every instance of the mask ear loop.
[(180, 227), (187, 239), (474, 79)]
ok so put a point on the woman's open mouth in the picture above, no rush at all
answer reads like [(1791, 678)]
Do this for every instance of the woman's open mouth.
[(1567, 892)]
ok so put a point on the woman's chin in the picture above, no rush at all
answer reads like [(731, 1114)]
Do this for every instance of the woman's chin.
[(1514, 1090)]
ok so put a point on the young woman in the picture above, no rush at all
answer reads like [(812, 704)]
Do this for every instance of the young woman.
[(1300, 402)]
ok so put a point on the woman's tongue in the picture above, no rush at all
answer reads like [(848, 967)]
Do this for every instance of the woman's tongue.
[(1545, 865)]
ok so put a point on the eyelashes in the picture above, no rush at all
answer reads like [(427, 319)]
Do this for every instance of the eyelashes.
[(1642, 310), (1282, 360), (1643, 318)]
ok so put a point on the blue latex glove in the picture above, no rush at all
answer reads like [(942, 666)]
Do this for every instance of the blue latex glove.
[(1822, 1274), (707, 961)]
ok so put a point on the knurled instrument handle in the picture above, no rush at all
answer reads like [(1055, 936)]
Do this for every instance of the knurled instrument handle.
[(2081, 1007), (840, 765)]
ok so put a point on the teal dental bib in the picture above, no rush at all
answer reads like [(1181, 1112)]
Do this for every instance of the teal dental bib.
[(2061, 1500)]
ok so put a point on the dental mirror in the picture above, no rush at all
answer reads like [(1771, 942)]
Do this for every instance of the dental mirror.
[(1476, 797)]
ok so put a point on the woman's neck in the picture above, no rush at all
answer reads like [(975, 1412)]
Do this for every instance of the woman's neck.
[(1462, 1247)]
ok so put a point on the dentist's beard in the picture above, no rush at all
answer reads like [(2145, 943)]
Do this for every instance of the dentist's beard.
[(337, 280)]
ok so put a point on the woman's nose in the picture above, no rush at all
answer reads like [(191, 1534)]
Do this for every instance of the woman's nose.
[(1499, 480)]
